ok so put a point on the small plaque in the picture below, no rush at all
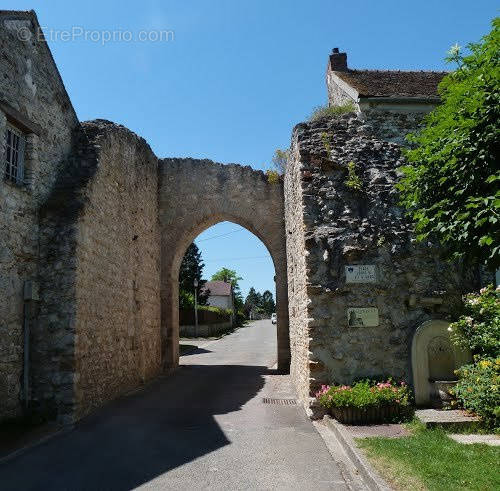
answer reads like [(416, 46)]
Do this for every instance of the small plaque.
[(360, 273), (362, 317)]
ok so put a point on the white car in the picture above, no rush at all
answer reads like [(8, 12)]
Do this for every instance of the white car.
[(274, 319)]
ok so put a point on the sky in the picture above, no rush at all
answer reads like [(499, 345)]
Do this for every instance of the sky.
[(229, 79)]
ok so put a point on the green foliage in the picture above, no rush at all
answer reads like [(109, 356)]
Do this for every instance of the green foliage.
[(218, 310), (326, 142), (280, 159), (353, 181), (191, 268), (186, 299), (364, 394), (478, 390), (272, 176), (322, 112), (428, 459), (268, 304), (263, 303), (478, 329), (450, 185)]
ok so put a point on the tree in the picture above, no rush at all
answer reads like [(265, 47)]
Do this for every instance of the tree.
[(230, 276), (252, 301), (191, 268), (268, 304), (280, 159), (450, 185)]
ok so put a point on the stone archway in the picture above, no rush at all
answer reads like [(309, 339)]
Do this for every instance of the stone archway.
[(196, 194)]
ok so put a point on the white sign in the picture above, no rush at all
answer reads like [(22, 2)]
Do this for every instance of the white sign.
[(362, 317), (362, 273)]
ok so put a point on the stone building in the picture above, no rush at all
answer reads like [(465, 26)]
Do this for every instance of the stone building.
[(361, 289), (93, 228), (220, 294), (393, 102)]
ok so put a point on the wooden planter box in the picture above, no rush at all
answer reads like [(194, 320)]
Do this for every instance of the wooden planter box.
[(370, 415)]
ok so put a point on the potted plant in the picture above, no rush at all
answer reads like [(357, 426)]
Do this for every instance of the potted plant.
[(366, 402)]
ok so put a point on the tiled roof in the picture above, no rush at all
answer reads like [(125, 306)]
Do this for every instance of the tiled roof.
[(218, 288), (391, 83)]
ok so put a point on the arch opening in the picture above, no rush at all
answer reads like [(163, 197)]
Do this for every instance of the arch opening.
[(208, 193), (210, 261), (170, 302)]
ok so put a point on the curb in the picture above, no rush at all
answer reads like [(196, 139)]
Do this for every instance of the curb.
[(36, 443), (373, 481)]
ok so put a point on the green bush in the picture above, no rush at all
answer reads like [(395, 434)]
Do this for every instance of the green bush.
[(364, 394), (450, 185), (478, 329), (272, 176), (321, 112), (241, 318), (478, 390), (353, 181), (219, 310)]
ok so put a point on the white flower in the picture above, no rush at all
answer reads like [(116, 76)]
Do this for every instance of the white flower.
[(454, 51), (450, 329)]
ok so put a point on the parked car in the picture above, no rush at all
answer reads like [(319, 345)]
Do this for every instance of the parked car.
[(274, 319)]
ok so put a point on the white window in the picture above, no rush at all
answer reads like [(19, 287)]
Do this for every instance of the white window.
[(14, 154)]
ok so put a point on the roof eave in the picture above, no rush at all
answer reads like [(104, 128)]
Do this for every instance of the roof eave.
[(400, 100)]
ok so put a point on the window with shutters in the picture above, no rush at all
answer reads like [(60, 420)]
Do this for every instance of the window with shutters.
[(14, 154)]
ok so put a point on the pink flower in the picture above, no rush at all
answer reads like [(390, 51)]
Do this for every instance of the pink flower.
[(324, 389)]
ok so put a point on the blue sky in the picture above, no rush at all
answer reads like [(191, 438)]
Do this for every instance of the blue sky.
[(238, 75)]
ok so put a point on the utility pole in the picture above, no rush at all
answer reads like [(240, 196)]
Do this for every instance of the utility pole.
[(195, 307)]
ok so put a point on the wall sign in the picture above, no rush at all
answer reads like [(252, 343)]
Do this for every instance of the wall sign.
[(362, 317), (360, 273)]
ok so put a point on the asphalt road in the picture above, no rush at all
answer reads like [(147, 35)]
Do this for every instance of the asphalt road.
[(204, 427)]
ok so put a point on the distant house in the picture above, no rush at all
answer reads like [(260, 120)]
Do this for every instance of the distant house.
[(220, 294)]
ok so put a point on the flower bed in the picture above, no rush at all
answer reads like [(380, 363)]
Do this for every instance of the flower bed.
[(366, 402)]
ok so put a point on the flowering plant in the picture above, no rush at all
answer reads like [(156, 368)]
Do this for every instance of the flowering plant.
[(478, 389), (364, 394), (478, 329)]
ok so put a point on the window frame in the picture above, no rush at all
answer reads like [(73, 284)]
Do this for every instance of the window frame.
[(20, 151)]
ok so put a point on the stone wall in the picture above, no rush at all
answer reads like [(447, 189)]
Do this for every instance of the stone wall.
[(392, 124), (295, 223), (101, 289), (30, 89), (343, 226), (339, 92), (196, 194)]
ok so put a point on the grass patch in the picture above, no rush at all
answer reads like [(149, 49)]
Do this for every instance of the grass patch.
[(428, 459), (321, 112)]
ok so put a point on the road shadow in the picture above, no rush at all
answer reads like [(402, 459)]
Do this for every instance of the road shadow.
[(140, 437), (191, 349)]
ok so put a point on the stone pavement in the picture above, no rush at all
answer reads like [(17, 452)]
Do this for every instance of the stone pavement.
[(492, 440), (204, 427)]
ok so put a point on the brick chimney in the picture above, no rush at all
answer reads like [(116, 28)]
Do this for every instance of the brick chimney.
[(338, 61)]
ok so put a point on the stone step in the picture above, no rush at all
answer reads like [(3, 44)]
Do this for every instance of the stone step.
[(447, 419)]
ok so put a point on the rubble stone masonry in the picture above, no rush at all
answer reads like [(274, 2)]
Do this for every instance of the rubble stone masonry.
[(32, 92), (331, 225), (105, 334)]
